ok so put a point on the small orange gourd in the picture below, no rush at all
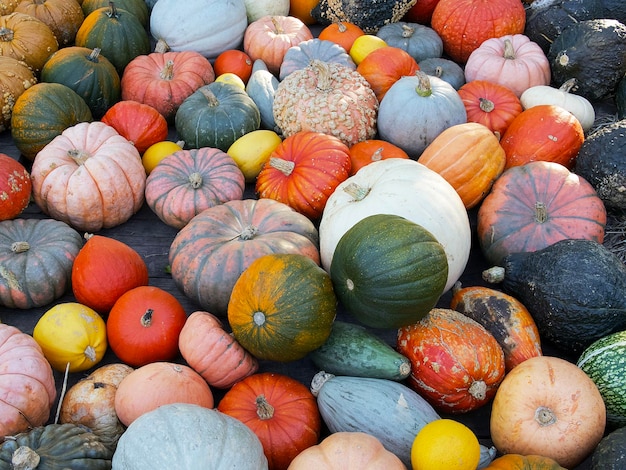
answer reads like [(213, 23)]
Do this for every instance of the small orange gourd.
[(523, 462)]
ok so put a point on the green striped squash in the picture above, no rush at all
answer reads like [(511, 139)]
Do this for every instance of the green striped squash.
[(604, 362)]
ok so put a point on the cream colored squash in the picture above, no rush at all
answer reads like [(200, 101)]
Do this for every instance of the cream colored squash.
[(256, 9), (406, 188)]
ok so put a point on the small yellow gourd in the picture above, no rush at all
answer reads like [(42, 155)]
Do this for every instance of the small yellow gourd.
[(251, 151)]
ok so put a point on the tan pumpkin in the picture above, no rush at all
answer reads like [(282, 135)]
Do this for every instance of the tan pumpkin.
[(63, 17), (89, 177), (15, 78), (27, 38)]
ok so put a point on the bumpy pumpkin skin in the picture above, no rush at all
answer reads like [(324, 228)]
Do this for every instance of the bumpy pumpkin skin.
[(15, 187), (15, 78), (27, 38), (63, 17), (370, 16)]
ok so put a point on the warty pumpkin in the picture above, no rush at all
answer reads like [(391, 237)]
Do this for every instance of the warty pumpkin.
[(27, 38), (63, 17), (15, 187), (15, 78), (299, 56)]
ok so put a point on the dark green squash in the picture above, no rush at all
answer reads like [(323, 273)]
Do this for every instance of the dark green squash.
[(55, 446), (388, 271), (216, 115), (613, 9), (88, 73), (574, 289), (594, 53), (610, 453), (139, 8), (43, 112), (620, 98), (601, 161), (369, 15)]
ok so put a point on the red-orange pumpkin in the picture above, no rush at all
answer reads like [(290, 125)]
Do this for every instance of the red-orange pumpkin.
[(421, 12), (234, 61), (456, 364), (15, 187), (304, 170), (372, 150), (140, 123), (384, 66), (544, 132), (280, 410), (342, 32), (535, 205)]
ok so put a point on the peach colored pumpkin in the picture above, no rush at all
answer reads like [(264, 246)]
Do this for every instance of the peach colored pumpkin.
[(89, 177), (214, 353), (513, 61)]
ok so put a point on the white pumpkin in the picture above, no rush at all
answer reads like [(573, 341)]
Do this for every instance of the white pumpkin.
[(578, 105), (258, 8), (401, 187), (208, 27)]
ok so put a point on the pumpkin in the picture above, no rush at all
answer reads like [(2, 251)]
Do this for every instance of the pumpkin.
[(234, 61), (155, 440), (210, 27), (505, 317), (456, 364), (56, 445), (251, 151), (15, 78), (513, 61), (231, 236), (43, 112), (211, 351), (91, 75), (72, 336), (347, 449), (523, 462), (116, 32), (370, 16), (445, 69), (535, 205), (15, 187), (189, 181), (8, 6), (542, 401), (280, 410), (139, 8), (342, 33), (259, 8), (417, 109), (89, 176), (418, 40), (269, 38), (578, 105), (401, 187), (469, 157), (27, 387), (299, 56), (285, 315), (156, 384), (215, 115), (329, 98), (140, 123), (63, 17), (26, 246), (27, 38), (103, 270), (90, 402), (261, 87), (610, 450), (421, 12), (384, 66), (364, 45), (301, 9), (143, 326), (164, 80), (544, 132), (303, 171), (372, 150), (490, 104), (490, 19)]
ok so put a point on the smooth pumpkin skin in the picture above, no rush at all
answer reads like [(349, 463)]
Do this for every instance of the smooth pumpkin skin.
[(282, 307), (139, 8), (63, 17), (15, 78), (27, 385), (418, 40), (523, 462), (15, 187), (372, 150), (27, 38), (384, 66), (342, 33)]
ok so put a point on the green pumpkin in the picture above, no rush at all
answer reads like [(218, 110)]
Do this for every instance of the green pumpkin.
[(43, 112), (117, 33), (88, 73), (56, 446), (388, 271), (139, 8), (216, 115)]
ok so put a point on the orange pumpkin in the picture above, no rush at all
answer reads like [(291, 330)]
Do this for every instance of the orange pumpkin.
[(372, 150), (384, 66), (523, 462), (15, 187), (281, 411), (456, 364), (26, 38), (548, 406), (341, 32), (212, 352), (233, 61), (469, 157), (301, 9), (63, 17)]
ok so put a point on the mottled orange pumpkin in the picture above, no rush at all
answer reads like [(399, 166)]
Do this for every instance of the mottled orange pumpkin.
[(15, 187)]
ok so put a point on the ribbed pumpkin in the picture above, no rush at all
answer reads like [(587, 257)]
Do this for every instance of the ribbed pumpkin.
[(139, 8), (535, 205), (15, 78), (63, 17), (418, 40), (140, 123), (342, 33), (26, 38), (91, 75), (456, 364), (372, 150), (280, 410), (326, 97), (469, 157), (15, 187), (230, 236), (8, 6), (282, 307), (298, 57), (43, 112), (304, 170), (27, 245), (189, 181)]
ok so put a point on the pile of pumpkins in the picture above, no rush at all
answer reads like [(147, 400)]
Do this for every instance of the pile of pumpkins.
[(329, 157)]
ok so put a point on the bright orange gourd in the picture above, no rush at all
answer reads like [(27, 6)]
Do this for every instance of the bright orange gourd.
[(372, 150), (15, 187), (234, 61), (523, 462), (342, 32), (384, 66)]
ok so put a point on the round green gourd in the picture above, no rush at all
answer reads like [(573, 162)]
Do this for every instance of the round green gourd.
[(610, 453), (216, 115), (139, 8), (604, 361), (388, 271)]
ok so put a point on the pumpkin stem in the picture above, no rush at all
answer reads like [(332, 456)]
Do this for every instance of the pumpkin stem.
[(377, 155), (90, 353), (423, 87), (563, 60), (258, 318), (407, 31), (568, 85), (357, 192), (146, 318), (509, 52), (167, 73), (112, 13), (161, 46), (545, 416), (319, 380), (79, 156), (438, 71), (248, 233), (341, 27), (324, 77), (478, 390), (541, 214), (263, 409), (25, 458), (210, 96), (20, 247), (195, 180), (94, 56), (486, 105), (284, 166), (6, 34), (493, 275), (277, 27)]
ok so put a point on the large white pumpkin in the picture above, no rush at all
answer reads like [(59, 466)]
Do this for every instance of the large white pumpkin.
[(209, 27), (401, 187)]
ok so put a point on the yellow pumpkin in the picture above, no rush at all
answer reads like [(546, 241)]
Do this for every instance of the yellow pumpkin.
[(363, 45), (71, 333), (251, 151)]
